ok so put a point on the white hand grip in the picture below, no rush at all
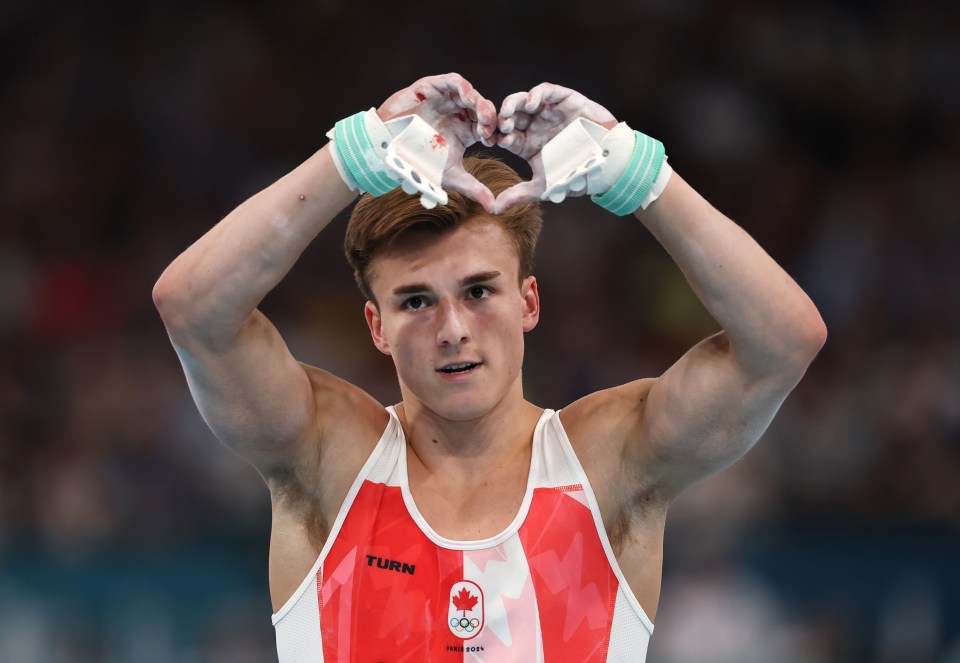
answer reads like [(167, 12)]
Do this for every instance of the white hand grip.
[(570, 157), (416, 156)]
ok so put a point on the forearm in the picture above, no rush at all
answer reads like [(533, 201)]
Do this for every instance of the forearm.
[(213, 287), (769, 320)]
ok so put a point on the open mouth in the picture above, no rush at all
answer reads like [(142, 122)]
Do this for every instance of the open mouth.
[(463, 367)]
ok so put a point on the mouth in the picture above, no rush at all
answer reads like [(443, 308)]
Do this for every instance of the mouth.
[(462, 367)]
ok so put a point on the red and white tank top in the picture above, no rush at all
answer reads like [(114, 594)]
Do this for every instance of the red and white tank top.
[(386, 588)]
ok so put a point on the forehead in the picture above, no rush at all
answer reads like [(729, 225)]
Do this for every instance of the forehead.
[(478, 244)]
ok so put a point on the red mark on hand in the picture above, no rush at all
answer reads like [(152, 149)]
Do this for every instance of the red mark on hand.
[(438, 142), (460, 116), (420, 96)]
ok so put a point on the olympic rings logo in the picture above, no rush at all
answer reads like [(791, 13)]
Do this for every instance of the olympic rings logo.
[(463, 624)]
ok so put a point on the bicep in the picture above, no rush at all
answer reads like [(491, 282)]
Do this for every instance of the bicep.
[(707, 410), (253, 394)]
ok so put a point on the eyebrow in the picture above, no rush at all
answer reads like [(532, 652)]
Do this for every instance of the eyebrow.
[(481, 277), (473, 279)]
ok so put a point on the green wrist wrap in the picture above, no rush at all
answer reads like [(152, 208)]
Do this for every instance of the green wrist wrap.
[(359, 157), (629, 192)]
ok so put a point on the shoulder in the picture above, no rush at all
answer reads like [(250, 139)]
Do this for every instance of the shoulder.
[(349, 423), (608, 433), (606, 430), (610, 417), (342, 407)]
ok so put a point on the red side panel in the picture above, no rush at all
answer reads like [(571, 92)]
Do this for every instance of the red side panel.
[(576, 588)]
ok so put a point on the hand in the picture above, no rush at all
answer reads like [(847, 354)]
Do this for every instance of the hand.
[(451, 105), (528, 120)]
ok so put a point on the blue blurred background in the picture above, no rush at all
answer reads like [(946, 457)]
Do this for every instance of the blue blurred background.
[(830, 131)]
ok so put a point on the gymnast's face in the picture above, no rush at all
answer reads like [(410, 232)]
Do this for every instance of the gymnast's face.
[(452, 314)]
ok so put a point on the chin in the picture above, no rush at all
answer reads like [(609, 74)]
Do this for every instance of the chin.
[(460, 411), (461, 403), (462, 407)]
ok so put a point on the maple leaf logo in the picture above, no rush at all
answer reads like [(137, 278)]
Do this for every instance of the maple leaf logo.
[(464, 600)]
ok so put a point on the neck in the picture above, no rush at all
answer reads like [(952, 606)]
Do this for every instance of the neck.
[(504, 430)]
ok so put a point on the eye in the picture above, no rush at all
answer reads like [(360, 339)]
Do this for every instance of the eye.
[(478, 292), (414, 303)]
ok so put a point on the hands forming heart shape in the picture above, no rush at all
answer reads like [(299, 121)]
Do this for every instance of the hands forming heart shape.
[(525, 123)]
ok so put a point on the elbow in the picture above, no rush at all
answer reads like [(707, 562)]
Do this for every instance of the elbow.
[(810, 335), (161, 293), (798, 341), (821, 334), (168, 298), (815, 331), (189, 314), (164, 294)]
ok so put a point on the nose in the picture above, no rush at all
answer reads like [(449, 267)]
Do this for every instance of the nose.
[(451, 324)]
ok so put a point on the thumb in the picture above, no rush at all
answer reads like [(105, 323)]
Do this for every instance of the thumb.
[(524, 192), (463, 182)]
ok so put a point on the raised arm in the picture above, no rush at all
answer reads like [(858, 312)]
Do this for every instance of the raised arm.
[(713, 404), (707, 409), (251, 391)]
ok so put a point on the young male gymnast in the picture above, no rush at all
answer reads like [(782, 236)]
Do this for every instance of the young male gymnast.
[(465, 522)]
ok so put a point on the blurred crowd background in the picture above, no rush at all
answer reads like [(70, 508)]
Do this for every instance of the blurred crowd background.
[(830, 131)]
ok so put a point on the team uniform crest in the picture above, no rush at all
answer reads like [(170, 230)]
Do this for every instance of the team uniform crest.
[(465, 610)]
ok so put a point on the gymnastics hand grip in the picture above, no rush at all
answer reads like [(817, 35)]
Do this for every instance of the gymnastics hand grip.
[(416, 156)]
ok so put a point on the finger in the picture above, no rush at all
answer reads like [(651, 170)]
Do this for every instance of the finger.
[(451, 88), (486, 113), (465, 96), (468, 96), (524, 192), (574, 103), (459, 180), (513, 142), (518, 122), (477, 108), (484, 121), (460, 91), (444, 82), (433, 87), (485, 133), (532, 103), (522, 121), (548, 93), (511, 103), (410, 98)]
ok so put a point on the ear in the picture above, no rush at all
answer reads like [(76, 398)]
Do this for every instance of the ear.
[(375, 323), (531, 303)]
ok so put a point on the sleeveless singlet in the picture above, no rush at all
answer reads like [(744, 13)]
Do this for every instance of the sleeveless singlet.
[(387, 588)]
